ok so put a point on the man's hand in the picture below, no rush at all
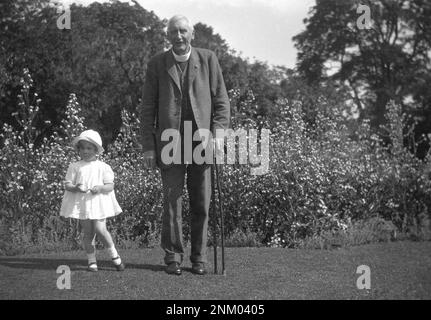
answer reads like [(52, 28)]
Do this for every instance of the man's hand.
[(218, 145), (150, 159)]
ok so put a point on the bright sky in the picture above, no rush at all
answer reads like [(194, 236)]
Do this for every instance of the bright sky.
[(258, 29)]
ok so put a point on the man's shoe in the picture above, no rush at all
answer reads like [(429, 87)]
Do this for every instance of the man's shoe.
[(173, 268), (199, 268)]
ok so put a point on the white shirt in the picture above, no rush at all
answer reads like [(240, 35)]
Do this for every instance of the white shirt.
[(182, 58)]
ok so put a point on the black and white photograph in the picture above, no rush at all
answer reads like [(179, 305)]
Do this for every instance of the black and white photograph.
[(215, 155)]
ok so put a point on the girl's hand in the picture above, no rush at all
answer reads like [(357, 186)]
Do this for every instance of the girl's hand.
[(68, 186), (96, 189), (80, 188)]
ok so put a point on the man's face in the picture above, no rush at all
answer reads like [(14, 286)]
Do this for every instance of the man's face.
[(180, 34)]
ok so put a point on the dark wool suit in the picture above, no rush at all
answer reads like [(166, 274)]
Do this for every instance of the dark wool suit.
[(173, 93)]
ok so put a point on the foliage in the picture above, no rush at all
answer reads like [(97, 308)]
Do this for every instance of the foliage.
[(362, 232), (31, 176), (31, 180), (323, 178), (388, 61), (102, 59), (112, 44), (324, 181), (241, 75)]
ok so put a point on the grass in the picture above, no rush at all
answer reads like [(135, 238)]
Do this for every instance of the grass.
[(399, 270)]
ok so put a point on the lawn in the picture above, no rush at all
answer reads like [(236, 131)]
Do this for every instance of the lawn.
[(399, 270)]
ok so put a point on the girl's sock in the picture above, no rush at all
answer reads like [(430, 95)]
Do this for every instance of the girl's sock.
[(92, 261), (114, 254), (91, 257)]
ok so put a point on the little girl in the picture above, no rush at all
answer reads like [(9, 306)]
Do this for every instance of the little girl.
[(89, 196)]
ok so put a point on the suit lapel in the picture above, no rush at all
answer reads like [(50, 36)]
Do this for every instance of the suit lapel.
[(193, 66), (172, 69)]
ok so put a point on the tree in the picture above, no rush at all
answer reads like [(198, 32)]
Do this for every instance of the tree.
[(389, 61), (241, 76), (234, 67), (102, 59), (112, 44), (30, 39)]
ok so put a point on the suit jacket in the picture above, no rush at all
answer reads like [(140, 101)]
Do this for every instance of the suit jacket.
[(161, 104)]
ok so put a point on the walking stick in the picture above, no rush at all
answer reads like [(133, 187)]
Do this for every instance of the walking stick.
[(220, 200), (215, 176), (214, 215)]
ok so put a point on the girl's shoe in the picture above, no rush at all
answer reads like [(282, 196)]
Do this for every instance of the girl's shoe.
[(119, 267), (92, 267)]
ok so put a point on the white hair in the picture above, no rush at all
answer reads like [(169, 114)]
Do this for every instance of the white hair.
[(180, 17)]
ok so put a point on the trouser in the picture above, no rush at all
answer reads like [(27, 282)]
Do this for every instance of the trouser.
[(199, 190)]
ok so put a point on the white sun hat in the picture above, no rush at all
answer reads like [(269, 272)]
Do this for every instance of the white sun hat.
[(90, 136)]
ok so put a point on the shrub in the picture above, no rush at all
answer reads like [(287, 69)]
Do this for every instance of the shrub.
[(329, 183), (325, 177), (240, 238), (362, 232)]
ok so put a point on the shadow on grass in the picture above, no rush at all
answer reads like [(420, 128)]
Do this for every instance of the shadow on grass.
[(73, 264)]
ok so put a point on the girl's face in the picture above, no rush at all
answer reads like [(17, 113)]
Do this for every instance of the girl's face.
[(87, 150)]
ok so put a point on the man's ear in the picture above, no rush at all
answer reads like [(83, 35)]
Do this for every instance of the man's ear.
[(193, 34)]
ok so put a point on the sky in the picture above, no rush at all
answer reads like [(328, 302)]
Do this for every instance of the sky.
[(255, 29)]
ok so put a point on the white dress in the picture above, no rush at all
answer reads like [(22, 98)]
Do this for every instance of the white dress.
[(80, 205)]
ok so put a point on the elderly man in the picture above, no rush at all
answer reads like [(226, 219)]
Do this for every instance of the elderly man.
[(184, 90)]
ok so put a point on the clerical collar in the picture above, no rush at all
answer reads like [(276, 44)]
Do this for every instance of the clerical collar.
[(182, 58)]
